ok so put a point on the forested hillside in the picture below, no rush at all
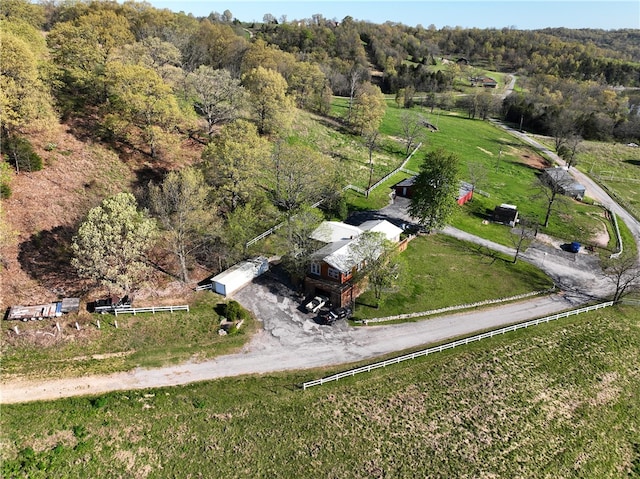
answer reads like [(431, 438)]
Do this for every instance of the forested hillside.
[(205, 121)]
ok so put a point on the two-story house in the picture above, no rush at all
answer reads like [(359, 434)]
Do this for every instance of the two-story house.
[(333, 266)]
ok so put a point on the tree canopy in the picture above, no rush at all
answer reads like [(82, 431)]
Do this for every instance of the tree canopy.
[(435, 189), (112, 242)]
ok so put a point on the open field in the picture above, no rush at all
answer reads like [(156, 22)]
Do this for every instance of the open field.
[(146, 340), (441, 271), (559, 400)]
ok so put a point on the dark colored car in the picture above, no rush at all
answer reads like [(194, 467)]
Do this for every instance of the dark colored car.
[(336, 314)]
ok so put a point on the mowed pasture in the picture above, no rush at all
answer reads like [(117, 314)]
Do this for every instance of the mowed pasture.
[(558, 400), (440, 271), (498, 164)]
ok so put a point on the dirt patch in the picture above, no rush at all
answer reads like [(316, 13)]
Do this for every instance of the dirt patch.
[(46, 207), (601, 238), (534, 161)]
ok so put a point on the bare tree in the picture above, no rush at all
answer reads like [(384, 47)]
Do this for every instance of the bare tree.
[(552, 192), (624, 273), (477, 174), (523, 234), (569, 148), (379, 260), (355, 77), (371, 140), (412, 129)]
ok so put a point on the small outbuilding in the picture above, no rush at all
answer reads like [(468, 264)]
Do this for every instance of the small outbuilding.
[(506, 214), (465, 193), (239, 275), (405, 187), (560, 178)]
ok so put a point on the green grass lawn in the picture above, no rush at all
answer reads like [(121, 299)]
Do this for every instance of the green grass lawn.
[(558, 400), (443, 271), (146, 340)]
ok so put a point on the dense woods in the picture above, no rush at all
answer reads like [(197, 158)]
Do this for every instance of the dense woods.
[(146, 81)]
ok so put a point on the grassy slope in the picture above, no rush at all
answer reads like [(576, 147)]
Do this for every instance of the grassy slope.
[(147, 340), (559, 400)]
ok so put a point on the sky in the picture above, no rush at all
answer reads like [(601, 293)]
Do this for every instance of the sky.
[(519, 14)]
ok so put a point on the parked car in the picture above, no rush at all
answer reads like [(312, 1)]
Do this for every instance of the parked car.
[(316, 303), (336, 314)]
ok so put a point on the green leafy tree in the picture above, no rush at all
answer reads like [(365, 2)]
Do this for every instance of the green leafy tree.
[(142, 106), (24, 98), (181, 204), (5, 180), (80, 49), (273, 109), (215, 45), (368, 109), (435, 189), (233, 161), (23, 10), (310, 87), (112, 243)]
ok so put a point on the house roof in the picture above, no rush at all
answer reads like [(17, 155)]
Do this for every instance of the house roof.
[(332, 231), (561, 176), (406, 182), (389, 230), (338, 255), (338, 252)]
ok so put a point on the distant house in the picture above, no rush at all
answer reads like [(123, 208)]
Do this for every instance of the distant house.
[(505, 214), (404, 189), (484, 81), (560, 178), (334, 265)]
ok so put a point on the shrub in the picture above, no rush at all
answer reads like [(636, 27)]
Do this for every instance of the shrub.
[(5, 191), (19, 153), (233, 311)]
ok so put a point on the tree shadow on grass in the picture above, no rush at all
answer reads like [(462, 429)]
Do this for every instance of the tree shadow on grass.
[(633, 162), (46, 257)]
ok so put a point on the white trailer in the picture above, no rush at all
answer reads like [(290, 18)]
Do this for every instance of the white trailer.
[(239, 275)]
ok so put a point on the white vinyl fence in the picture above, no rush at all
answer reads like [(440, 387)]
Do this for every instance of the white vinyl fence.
[(151, 309), (453, 344)]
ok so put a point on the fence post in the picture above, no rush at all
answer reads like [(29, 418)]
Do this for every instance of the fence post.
[(98, 323)]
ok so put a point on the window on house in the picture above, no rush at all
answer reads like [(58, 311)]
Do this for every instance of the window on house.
[(334, 273), (315, 268)]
